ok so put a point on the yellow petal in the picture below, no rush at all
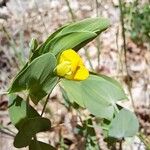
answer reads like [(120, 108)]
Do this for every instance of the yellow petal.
[(70, 66), (63, 68), (81, 74), (71, 56)]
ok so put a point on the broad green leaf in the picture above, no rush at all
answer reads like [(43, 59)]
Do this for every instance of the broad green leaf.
[(99, 94), (18, 110), (66, 41), (29, 129), (74, 35), (38, 77), (40, 49), (38, 145), (125, 124), (100, 110), (95, 25)]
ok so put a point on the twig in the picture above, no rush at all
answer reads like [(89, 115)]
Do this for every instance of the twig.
[(120, 63), (4, 132), (98, 39), (41, 16), (125, 52), (120, 145), (5, 128), (143, 139), (13, 45), (70, 10)]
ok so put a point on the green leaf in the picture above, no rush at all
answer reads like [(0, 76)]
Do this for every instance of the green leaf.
[(100, 110), (29, 129), (38, 145), (69, 40), (95, 25), (18, 110), (40, 49), (125, 124), (38, 78), (74, 35), (98, 94)]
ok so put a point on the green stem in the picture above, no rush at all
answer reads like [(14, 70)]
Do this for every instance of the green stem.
[(89, 59), (47, 98), (45, 104)]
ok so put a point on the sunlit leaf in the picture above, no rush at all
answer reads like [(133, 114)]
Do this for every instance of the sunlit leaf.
[(99, 94), (125, 124)]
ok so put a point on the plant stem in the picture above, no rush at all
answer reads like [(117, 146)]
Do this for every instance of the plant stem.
[(2, 128), (98, 39), (89, 59), (45, 104), (13, 45), (4, 132), (125, 52), (47, 98), (70, 10)]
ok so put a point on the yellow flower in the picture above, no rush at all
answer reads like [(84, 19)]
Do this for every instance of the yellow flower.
[(70, 66)]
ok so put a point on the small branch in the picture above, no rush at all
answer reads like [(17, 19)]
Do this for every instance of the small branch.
[(28, 104), (120, 145), (98, 39), (4, 132), (70, 10), (125, 52), (13, 45), (5, 128), (41, 16), (145, 140)]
